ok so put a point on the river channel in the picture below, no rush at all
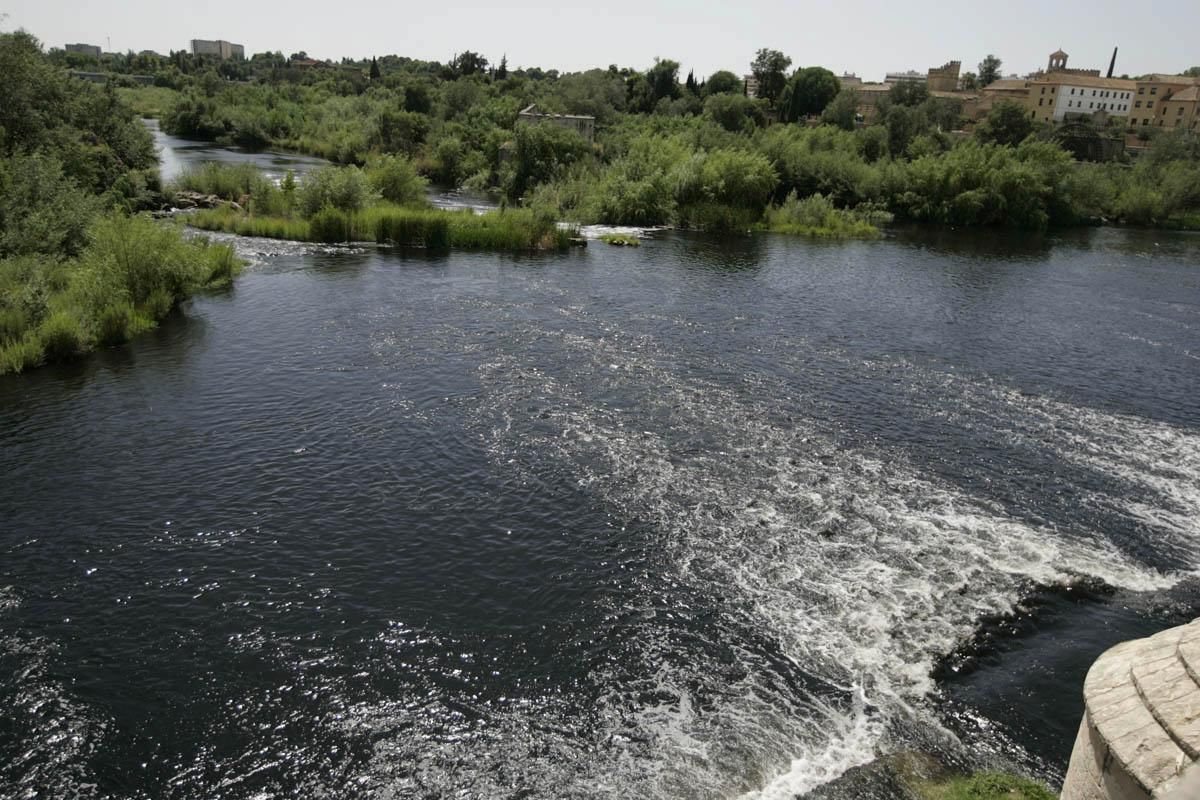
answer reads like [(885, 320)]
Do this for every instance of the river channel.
[(707, 518)]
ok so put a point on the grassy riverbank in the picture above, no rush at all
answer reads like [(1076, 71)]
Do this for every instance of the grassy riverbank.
[(514, 229), (130, 275), (384, 203), (78, 269)]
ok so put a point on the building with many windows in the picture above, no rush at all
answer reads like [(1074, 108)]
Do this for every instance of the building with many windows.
[(1057, 96), (1165, 101), (220, 48)]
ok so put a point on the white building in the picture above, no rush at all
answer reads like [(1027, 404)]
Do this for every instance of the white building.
[(1061, 95)]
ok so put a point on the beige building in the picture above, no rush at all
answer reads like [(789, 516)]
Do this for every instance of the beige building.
[(945, 77), (220, 48), (1165, 101)]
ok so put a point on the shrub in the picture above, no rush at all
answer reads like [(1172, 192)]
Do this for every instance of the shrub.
[(62, 335), (341, 188), (396, 180), (330, 225), (113, 324), (227, 181), (817, 217)]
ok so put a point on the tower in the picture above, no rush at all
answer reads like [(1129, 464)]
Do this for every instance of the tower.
[(1058, 60)]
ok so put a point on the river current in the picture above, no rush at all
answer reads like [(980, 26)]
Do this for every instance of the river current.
[(701, 519)]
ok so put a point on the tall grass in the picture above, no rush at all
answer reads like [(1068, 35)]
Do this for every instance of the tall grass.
[(817, 217), (227, 181), (132, 273), (513, 229)]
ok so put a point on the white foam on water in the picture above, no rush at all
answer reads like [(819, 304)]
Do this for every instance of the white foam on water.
[(864, 570)]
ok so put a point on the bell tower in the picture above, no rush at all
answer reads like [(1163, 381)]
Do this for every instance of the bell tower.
[(1058, 60)]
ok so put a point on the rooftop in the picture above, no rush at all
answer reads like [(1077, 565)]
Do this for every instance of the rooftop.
[(1089, 81)]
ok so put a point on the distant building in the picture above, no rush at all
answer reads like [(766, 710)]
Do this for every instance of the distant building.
[(1166, 101), (850, 80), (751, 85), (1059, 95), (911, 76), (585, 126), (220, 48), (84, 49), (944, 78)]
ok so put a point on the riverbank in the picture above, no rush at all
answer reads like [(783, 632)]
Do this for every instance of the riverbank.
[(698, 170), (513, 229), (132, 274)]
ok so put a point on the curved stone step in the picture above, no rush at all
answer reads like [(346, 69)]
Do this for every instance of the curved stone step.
[(1130, 753), (1173, 699), (1189, 652)]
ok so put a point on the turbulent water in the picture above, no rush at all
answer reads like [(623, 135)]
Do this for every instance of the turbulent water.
[(694, 520)]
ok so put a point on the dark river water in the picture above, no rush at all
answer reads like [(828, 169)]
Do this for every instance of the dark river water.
[(701, 519)]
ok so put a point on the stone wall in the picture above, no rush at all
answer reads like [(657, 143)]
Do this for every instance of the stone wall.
[(1141, 723)]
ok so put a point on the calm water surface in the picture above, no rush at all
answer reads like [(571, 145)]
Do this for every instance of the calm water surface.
[(698, 519)]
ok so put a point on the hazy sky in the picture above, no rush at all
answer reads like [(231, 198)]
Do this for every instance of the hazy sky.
[(845, 35)]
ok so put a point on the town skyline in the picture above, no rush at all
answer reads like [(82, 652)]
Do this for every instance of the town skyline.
[(702, 38)]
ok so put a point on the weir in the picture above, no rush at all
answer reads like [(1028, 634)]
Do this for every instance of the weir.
[(1140, 734)]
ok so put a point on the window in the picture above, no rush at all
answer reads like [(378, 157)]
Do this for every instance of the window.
[(1093, 92), (1149, 104), (1091, 105), (1153, 90), (1180, 111), (1138, 104), (1141, 90), (1145, 122), (1072, 91), (1041, 101), (1043, 90)]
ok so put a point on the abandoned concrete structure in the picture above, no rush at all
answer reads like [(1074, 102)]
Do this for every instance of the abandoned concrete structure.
[(585, 126)]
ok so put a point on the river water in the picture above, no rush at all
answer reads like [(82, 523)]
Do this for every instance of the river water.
[(701, 519)]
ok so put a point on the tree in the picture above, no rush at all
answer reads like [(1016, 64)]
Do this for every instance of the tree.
[(808, 92), (663, 78), (374, 69), (723, 82), (842, 111), (735, 113), (909, 93), (502, 70), (467, 63), (1192, 72), (989, 70), (769, 68), (1006, 123), (903, 123), (970, 81), (690, 84)]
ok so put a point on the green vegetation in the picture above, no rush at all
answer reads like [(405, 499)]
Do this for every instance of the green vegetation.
[(982, 786), (621, 239), (669, 150), (131, 274), (384, 203), (510, 229), (77, 272), (818, 218)]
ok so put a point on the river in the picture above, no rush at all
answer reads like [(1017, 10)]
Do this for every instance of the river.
[(701, 519)]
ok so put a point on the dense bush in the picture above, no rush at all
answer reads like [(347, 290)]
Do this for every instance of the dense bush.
[(342, 188), (396, 180), (131, 274)]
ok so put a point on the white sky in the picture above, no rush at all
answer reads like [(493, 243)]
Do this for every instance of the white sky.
[(868, 38)]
